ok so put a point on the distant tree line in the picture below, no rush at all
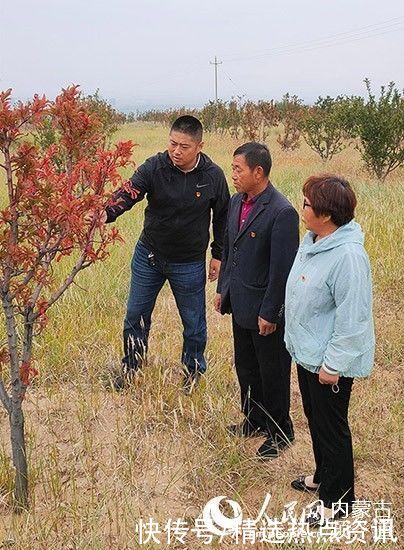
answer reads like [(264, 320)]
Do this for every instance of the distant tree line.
[(373, 125)]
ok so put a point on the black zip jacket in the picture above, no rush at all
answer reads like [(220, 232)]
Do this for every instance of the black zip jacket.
[(178, 213)]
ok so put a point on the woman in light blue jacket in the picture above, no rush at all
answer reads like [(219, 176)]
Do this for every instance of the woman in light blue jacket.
[(329, 333)]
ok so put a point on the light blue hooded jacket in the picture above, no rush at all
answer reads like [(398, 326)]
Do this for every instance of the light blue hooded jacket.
[(328, 304)]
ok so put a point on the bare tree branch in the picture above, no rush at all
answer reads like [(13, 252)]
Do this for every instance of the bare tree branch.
[(67, 282)]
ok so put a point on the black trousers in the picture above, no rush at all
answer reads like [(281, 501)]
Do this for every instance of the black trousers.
[(327, 414), (263, 369)]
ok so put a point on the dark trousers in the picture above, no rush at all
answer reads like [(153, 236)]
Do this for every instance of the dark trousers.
[(263, 370), (327, 414)]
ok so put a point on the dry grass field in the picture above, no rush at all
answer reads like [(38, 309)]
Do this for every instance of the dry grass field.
[(100, 460)]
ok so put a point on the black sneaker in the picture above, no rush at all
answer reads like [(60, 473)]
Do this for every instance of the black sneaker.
[(245, 429), (190, 381), (272, 448), (314, 519), (123, 380)]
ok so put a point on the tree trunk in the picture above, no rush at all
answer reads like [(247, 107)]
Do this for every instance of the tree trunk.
[(16, 415), (19, 456)]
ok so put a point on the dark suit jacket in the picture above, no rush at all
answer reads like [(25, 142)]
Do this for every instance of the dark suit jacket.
[(256, 260)]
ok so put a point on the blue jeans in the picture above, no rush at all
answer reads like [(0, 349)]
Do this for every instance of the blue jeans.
[(187, 281)]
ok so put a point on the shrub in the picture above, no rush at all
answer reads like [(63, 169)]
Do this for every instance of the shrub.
[(379, 125)]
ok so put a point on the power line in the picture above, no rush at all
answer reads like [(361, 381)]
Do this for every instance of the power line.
[(370, 31), (241, 92), (386, 25), (325, 43), (361, 33), (313, 48)]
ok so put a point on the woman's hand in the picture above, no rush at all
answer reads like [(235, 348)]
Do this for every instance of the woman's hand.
[(325, 378)]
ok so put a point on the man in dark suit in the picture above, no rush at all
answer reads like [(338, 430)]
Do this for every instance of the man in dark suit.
[(261, 240)]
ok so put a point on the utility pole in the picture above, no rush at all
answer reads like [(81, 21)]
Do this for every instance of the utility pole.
[(216, 63)]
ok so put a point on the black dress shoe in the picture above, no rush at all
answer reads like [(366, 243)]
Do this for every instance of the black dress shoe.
[(300, 485), (272, 448), (245, 429)]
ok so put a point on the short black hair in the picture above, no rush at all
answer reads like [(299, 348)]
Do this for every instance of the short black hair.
[(255, 154), (189, 125), (331, 195)]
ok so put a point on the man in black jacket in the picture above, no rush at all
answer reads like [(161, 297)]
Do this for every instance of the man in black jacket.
[(260, 244), (184, 189)]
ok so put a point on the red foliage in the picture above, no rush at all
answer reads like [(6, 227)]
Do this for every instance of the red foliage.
[(55, 201), (27, 373)]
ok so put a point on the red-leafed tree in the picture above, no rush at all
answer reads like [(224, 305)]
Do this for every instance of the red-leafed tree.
[(51, 207)]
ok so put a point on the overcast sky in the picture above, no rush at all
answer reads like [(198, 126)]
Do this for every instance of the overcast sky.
[(151, 53)]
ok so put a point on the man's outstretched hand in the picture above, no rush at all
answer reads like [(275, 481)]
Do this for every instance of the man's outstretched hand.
[(89, 217)]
